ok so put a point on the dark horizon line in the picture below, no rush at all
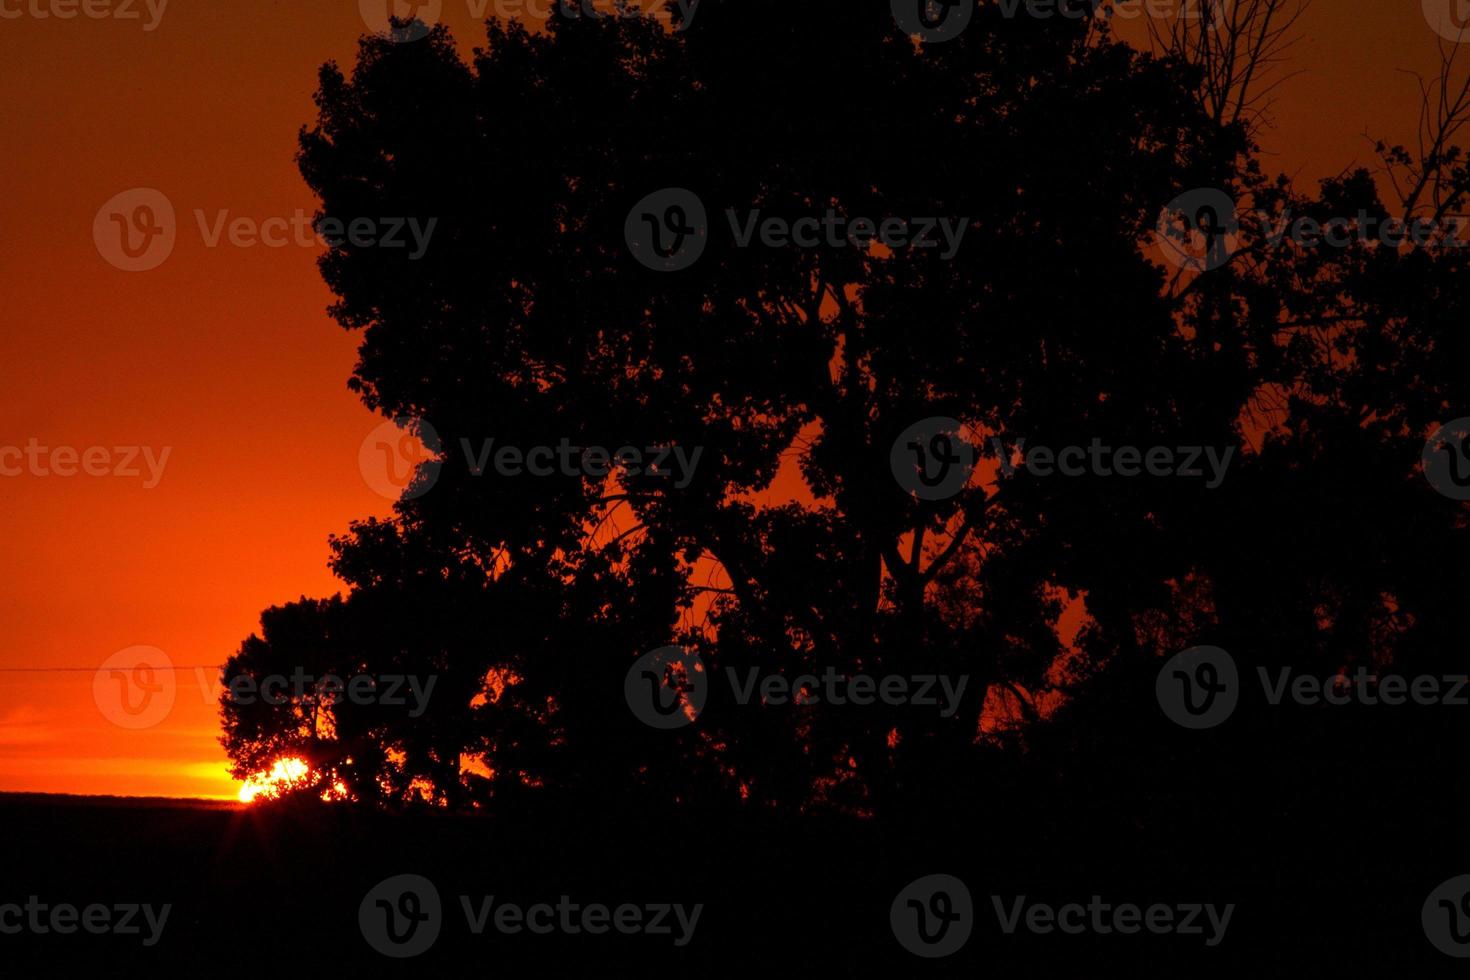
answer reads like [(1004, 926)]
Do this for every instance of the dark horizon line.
[(221, 801)]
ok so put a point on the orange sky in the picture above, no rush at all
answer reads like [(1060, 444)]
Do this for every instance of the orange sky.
[(225, 356)]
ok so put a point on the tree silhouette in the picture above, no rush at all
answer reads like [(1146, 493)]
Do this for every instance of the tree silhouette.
[(794, 370)]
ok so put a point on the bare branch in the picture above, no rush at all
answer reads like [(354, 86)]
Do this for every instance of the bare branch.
[(1431, 181), (1239, 47)]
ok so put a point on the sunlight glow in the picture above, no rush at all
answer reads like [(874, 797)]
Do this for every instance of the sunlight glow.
[(284, 775)]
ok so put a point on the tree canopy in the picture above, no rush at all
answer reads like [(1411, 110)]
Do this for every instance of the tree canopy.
[(791, 547)]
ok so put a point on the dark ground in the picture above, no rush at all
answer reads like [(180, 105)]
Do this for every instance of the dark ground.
[(1328, 878)]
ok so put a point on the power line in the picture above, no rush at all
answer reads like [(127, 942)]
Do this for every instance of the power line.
[(95, 669)]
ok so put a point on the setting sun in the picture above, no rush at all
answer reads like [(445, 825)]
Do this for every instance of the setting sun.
[(284, 775)]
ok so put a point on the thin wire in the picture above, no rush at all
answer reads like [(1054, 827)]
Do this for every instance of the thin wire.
[(93, 670)]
